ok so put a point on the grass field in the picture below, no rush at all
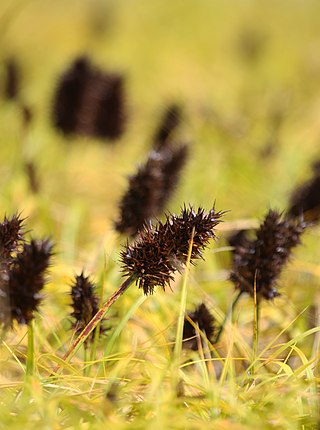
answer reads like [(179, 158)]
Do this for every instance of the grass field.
[(247, 77)]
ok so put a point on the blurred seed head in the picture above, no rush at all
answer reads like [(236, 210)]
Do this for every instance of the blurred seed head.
[(162, 249), (27, 278), (11, 237), (85, 304), (169, 123), (261, 260), (203, 319), (305, 200), (12, 82), (89, 102), (150, 188)]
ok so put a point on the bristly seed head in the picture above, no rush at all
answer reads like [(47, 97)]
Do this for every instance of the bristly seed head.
[(305, 200), (162, 249), (206, 323), (260, 261), (169, 122), (89, 102), (85, 303), (11, 237), (150, 188), (27, 279)]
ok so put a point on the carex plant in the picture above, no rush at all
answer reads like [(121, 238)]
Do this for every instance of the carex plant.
[(160, 251), (23, 268), (155, 180), (258, 262), (150, 188), (89, 102), (198, 323)]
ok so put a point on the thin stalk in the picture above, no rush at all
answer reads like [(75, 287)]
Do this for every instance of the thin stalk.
[(256, 315), (230, 312), (97, 318), (97, 332), (183, 301), (30, 349), (85, 360)]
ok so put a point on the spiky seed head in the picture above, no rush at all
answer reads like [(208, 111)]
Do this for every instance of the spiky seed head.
[(85, 303), (169, 122), (11, 237), (202, 318), (150, 188), (162, 249), (260, 261), (89, 102), (305, 200), (27, 278)]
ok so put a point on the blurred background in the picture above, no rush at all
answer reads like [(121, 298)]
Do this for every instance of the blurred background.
[(246, 75)]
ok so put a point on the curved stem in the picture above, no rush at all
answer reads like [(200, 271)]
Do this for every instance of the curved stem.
[(97, 318)]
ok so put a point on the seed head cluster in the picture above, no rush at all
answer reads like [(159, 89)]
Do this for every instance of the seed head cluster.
[(150, 188), (85, 303), (162, 249), (202, 318), (22, 272), (261, 260), (89, 102)]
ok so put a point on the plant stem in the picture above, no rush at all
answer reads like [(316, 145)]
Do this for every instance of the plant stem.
[(30, 350), (230, 312), (97, 332), (256, 316), (97, 318), (183, 301), (85, 360)]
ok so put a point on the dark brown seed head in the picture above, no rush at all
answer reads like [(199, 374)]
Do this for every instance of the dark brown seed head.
[(89, 102), (260, 261), (27, 279), (11, 237), (85, 303), (170, 121), (162, 249), (305, 200), (12, 83), (150, 188), (202, 318), (69, 94)]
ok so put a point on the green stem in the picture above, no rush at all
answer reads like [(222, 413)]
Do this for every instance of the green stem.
[(97, 318), (30, 349), (85, 360), (183, 301), (97, 331), (227, 315), (256, 318)]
